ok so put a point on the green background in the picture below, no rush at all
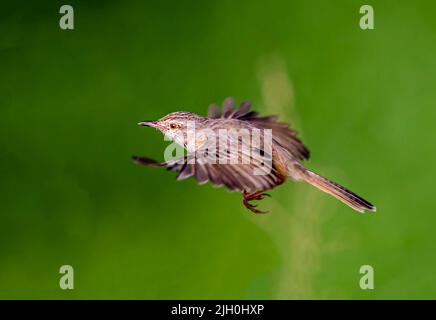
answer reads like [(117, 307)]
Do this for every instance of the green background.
[(363, 102)]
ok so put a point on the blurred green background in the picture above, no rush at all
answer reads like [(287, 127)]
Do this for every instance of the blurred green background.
[(364, 103)]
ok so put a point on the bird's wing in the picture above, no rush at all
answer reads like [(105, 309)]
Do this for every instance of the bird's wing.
[(234, 177), (173, 165), (216, 167), (282, 133), (249, 169)]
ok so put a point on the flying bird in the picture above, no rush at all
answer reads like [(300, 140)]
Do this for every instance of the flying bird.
[(246, 170)]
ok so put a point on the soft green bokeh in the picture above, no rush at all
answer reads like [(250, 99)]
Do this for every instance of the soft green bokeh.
[(363, 101)]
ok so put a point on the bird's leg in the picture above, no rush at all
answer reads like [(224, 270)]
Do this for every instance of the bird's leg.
[(257, 195)]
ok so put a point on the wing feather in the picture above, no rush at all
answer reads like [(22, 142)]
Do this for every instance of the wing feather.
[(282, 133)]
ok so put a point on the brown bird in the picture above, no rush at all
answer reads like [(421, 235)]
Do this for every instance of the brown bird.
[(255, 166)]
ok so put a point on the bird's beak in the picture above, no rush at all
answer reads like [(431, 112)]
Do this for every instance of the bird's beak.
[(148, 124)]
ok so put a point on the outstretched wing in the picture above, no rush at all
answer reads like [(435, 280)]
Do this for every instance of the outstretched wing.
[(282, 133), (217, 169)]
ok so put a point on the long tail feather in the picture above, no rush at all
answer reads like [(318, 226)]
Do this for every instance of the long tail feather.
[(339, 192)]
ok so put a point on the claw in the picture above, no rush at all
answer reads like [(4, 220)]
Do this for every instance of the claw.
[(258, 195), (258, 211), (252, 208)]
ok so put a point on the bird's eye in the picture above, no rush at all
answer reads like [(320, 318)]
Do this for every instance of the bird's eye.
[(173, 125)]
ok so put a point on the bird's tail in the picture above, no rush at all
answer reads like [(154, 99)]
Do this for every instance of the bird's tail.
[(336, 190)]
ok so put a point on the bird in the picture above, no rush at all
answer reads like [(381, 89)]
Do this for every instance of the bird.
[(207, 160)]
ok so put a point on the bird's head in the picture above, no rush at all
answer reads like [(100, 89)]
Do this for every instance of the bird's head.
[(175, 125)]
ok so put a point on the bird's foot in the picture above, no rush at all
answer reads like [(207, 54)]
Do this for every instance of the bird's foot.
[(258, 195)]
